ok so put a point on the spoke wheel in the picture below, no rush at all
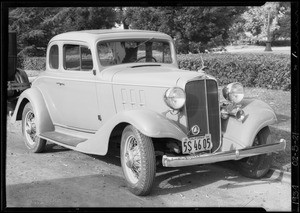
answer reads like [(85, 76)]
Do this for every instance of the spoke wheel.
[(138, 161), (132, 159), (257, 166), (29, 130)]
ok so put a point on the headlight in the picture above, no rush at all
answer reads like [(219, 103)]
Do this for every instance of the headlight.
[(175, 97), (234, 92)]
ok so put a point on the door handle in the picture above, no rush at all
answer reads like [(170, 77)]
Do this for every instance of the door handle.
[(60, 83)]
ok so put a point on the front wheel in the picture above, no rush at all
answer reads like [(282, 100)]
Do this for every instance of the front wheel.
[(32, 141), (257, 166), (138, 161)]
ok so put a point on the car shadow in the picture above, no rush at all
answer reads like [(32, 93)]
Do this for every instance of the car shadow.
[(170, 180), (176, 180), (78, 191), (52, 148)]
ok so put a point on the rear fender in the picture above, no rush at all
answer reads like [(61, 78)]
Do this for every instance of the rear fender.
[(147, 122), (238, 135), (43, 119)]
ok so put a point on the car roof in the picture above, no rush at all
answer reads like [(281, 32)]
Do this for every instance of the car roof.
[(94, 35)]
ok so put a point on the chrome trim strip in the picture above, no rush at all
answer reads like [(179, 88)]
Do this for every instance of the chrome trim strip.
[(205, 90), (75, 129), (177, 161)]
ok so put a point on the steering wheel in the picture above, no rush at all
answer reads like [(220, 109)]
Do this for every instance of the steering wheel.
[(145, 57)]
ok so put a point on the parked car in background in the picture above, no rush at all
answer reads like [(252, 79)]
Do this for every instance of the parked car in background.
[(123, 88)]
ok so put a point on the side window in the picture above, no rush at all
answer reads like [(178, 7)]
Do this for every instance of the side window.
[(53, 57), (77, 57)]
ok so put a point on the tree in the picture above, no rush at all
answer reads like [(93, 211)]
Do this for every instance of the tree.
[(193, 28), (270, 21), (35, 26)]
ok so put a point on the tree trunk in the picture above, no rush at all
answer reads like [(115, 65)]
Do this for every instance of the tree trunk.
[(268, 43)]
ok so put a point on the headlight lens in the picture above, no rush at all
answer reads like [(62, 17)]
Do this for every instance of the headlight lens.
[(234, 92), (175, 97)]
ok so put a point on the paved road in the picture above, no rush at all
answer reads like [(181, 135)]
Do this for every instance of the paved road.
[(65, 178)]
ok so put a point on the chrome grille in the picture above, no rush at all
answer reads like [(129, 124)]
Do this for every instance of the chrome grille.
[(202, 108)]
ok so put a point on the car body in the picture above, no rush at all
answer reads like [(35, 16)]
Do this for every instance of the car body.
[(101, 85)]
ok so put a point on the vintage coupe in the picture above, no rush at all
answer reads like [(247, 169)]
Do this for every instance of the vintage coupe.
[(123, 88)]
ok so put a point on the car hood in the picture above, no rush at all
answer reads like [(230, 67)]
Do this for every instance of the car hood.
[(149, 75)]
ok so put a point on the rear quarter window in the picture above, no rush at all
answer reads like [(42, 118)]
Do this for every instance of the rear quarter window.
[(53, 57)]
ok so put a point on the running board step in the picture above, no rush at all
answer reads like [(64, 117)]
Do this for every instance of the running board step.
[(62, 138)]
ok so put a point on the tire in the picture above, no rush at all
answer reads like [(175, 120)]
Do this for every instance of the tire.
[(138, 161), (32, 142), (257, 166)]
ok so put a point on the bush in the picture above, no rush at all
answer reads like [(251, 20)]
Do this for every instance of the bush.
[(270, 71), (252, 70), (33, 63)]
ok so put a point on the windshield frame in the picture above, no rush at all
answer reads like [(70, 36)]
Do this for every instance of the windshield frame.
[(151, 38)]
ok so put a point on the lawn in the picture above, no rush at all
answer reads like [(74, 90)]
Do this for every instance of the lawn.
[(257, 49)]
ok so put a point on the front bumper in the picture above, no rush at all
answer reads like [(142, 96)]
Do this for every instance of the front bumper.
[(177, 161)]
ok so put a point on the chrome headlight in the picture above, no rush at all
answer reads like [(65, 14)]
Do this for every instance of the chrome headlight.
[(175, 97), (233, 92)]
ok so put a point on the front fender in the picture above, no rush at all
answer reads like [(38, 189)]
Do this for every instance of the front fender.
[(147, 122), (238, 135), (43, 119)]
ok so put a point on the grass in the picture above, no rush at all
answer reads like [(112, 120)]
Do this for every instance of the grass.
[(258, 49)]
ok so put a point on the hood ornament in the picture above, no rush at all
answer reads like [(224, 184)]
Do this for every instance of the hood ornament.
[(203, 68)]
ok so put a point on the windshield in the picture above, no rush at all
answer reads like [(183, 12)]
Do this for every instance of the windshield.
[(134, 50)]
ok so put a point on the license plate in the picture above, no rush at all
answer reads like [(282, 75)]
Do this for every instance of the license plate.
[(196, 144)]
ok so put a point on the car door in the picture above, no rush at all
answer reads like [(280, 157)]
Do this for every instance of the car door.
[(77, 95)]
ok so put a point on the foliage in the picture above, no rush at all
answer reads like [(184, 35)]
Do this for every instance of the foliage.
[(33, 63), (252, 25), (194, 29), (252, 70), (35, 26)]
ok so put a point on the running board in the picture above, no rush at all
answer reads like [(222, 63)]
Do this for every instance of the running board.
[(60, 138)]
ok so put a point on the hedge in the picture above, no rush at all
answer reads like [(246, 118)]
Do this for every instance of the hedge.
[(33, 63), (270, 71)]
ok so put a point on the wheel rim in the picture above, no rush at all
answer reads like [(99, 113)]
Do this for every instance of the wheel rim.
[(132, 159), (30, 128)]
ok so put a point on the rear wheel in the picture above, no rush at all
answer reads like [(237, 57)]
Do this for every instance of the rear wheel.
[(257, 166), (29, 130), (138, 161)]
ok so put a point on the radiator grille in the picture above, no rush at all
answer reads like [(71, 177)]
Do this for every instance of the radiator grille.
[(202, 108)]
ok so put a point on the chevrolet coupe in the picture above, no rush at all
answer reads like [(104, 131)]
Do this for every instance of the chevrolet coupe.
[(124, 89)]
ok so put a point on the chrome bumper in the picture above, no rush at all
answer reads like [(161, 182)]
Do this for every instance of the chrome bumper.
[(177, 161)]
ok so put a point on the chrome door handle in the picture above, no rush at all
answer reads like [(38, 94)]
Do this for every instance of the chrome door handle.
[(60, 84)]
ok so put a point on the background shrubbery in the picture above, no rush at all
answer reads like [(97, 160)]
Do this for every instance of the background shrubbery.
[(252, 70), (270, 71), (32, 63)]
